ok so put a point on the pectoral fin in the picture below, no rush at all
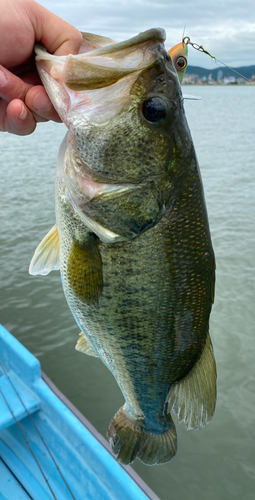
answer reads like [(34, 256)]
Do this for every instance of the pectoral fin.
[(46, 256), (193, 398), (84, 270), (83, 345)]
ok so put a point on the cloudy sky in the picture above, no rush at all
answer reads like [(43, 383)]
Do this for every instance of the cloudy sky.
[(225, 28)]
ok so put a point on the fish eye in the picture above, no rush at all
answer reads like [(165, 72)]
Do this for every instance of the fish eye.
[(181, 62), (154, 110)]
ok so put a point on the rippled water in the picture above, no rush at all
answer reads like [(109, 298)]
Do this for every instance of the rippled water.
[(217, 462)]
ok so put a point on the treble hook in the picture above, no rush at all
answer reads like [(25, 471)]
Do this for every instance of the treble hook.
[(200, 48), (186, 40)]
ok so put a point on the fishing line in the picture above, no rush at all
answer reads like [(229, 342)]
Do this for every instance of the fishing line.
[(37, 430), (200, 48)]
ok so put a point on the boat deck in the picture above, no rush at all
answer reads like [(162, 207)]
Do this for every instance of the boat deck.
[(10, 485), (48, 450)]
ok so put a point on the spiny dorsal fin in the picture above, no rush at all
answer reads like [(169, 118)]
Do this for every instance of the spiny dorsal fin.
[(84, 270), (46, 256), (83, 345), (193, 398)]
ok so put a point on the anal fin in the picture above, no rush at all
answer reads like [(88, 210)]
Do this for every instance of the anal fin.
[(46, 256), (193, 398), (83, 345), (84, 270)]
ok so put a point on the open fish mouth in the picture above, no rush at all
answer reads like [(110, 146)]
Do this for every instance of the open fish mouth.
[(96, 82)]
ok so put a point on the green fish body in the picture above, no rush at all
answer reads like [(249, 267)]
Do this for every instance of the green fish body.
[(132, 238)]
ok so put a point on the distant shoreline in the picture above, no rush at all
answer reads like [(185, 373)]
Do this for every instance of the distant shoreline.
[(221, 75), (216, 84)]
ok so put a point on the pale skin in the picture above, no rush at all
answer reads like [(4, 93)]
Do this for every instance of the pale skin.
[(23, 99)]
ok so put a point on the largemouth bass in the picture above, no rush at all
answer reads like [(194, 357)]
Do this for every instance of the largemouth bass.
[(132, 239)]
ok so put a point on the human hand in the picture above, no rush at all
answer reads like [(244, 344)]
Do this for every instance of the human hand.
[(23, 99)]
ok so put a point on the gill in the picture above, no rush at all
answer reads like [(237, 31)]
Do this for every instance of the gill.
[(200, 48), (38, 432)]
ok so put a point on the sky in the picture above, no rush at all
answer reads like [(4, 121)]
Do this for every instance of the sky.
[(225, 28)]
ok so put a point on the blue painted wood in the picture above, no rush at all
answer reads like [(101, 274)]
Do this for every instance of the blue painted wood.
[(13, 489), (19, 470), (90, 471), (31, 401), (16, 357)]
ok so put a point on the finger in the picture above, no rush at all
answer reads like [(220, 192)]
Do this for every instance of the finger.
[(35, 97), (58, 36), (11, 86), (68, 45), (17, 118), (39, 103)]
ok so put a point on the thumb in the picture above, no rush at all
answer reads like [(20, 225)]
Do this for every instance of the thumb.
[(57, 36)]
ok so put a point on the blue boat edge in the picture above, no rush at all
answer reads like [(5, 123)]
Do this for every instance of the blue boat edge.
[(83, 456)]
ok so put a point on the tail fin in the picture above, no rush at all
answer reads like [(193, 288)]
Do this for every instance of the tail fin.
[(128, 440)]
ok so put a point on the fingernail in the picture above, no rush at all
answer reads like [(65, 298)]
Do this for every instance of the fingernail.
[(23, 114), (41, 102), (3, 79)]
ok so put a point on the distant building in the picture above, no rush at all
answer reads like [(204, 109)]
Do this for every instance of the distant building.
[(229, 80), (240, 81), (190, 79), (210, 79), (215, 78), (220, 76)]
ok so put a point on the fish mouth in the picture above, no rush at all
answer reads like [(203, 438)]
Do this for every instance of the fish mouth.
[(96, 84), (103, 66), (106, 65)]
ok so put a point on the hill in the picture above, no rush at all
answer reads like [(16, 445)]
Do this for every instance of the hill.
[(246, 71)]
